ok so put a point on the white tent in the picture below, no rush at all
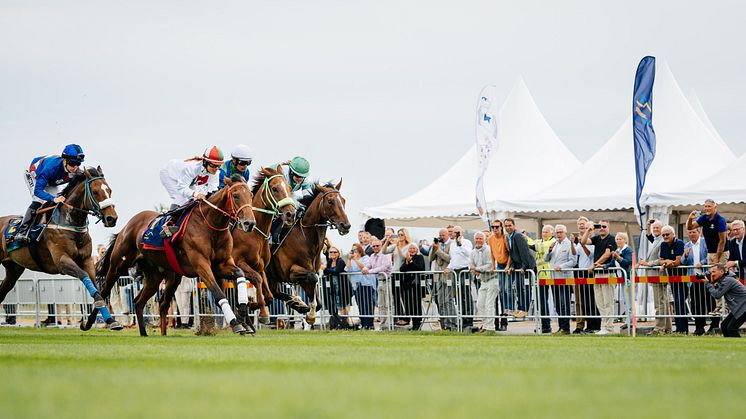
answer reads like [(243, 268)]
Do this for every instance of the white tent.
[(606, 182), (523, 132)]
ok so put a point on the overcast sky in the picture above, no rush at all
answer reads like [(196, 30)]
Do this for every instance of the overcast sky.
[(380, 93)]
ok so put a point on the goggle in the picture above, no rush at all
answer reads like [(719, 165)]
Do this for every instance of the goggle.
[(213, 165), (241, 162), (73, 163)]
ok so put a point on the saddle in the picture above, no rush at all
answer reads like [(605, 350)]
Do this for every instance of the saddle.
[(9, 234)]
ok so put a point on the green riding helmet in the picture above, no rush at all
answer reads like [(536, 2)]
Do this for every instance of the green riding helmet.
[(300, 166)]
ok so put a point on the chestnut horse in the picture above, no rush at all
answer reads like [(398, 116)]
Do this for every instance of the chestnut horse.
[(297, 259), (204, 251), (251, 251), (65, 245)]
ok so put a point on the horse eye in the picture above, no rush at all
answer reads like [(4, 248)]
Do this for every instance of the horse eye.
[(274, 189)]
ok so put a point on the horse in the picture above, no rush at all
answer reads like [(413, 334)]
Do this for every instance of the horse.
[(251, 251), (64, 246), (204, 251), (297, 259)]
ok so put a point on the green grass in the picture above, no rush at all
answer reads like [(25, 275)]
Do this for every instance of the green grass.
[(68, 373)]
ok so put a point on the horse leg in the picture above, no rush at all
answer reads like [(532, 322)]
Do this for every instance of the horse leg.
[(309, 283), (257, 280), (202, 267), (13, 271), (172, 282), (230, 271), (68, 266), (120, 259), (151, 280)]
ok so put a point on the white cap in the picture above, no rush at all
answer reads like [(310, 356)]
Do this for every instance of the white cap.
[(242, 152)]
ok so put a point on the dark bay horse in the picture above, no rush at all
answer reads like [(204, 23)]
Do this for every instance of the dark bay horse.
[(65, 245), (251, 251), (204, 251), (297, 259)]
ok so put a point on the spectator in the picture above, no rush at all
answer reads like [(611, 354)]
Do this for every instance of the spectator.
[(398, 245), (365, 285), (482, 268), (460, 251), (621, 257), (603, 244), (736, 250), (500, 257), (695, 254), (541, 247), (443, 283), (672, 249), (584, 253), (339, 297), (380, 264), (183, 297), (714, 229), (521, 261), (411, 290), (726, 286), (364, 240), (660, 294), (560, 256)]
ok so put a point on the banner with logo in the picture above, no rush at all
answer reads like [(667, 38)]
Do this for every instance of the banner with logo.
[(642, 125), (487, 111)]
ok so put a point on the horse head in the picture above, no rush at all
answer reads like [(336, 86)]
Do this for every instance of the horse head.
[(237, 202), (330, 207), (271, 190), (91, 193)]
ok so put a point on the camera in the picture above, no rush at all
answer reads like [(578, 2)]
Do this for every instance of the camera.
[(437, 240), (701, 276)]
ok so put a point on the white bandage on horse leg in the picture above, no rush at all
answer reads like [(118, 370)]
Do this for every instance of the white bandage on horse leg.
[(242, 291), (227, 311)]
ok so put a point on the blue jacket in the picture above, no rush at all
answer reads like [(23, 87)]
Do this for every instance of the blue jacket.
[(49, 171), (692, 259), (228, 170)]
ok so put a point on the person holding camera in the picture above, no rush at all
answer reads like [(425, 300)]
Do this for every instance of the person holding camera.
[(695, 254), (603, 244), (444, 291), (460, 251), (723, 284), (411, 290)]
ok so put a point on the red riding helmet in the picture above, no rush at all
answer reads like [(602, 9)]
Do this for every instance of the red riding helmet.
[(213, 155)]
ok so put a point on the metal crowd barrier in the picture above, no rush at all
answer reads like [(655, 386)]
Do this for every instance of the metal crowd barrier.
[(603, 296), (679, 296)]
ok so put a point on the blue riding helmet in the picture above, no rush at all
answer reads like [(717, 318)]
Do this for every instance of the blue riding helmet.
[(73, 153)]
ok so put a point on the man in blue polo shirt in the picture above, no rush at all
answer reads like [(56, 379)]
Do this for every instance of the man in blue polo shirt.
[(714, 228)]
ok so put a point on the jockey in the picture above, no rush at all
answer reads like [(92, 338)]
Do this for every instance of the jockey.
[(241, 157), (296, 173), (45, 177), (190, 179)]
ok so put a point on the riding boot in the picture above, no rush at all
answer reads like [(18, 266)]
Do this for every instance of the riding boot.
[(25, 227)]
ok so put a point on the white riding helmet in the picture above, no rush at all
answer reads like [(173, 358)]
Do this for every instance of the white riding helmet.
[(242, 152)]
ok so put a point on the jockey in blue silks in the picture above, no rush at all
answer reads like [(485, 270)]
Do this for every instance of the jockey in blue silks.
[(241, 158), (45, 177)]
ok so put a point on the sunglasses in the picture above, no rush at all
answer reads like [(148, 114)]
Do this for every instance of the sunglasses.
[(375, 247), (666, 234), (333, 251), (603, 226), (243, 162), (496, 226)]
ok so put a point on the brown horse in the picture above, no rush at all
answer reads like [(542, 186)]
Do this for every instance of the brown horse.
[(204, 251), (251, 251), (297, 259), (65, 245)]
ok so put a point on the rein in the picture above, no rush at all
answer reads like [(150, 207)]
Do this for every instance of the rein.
[(232, 216), (95, 209)]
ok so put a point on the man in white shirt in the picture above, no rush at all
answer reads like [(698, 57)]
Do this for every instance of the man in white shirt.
[(585, 261), (460, 252), (561, 256)]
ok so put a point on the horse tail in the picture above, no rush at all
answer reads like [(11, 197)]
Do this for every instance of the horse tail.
[(102, 267)]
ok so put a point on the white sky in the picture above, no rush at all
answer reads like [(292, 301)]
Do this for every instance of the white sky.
[(380, 93)]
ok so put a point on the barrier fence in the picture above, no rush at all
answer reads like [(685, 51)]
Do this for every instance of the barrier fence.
[(430, 300)]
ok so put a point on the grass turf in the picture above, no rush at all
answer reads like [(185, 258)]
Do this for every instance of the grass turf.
[(68, 373)]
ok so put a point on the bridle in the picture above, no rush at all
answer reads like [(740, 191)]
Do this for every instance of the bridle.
[(231, 214), (269, 201), (322, 211), (90, 207)]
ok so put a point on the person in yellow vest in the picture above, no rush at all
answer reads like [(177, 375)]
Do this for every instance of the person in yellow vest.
[(543, 246)]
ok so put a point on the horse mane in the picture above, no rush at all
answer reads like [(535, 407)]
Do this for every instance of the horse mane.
[(259, 178), (78, 179), (317, 190)]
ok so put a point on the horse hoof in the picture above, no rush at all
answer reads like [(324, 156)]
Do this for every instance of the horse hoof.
[(238, 328), (116, 326), (249, 329), (264, 320), (83, 326), (310, 320)]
